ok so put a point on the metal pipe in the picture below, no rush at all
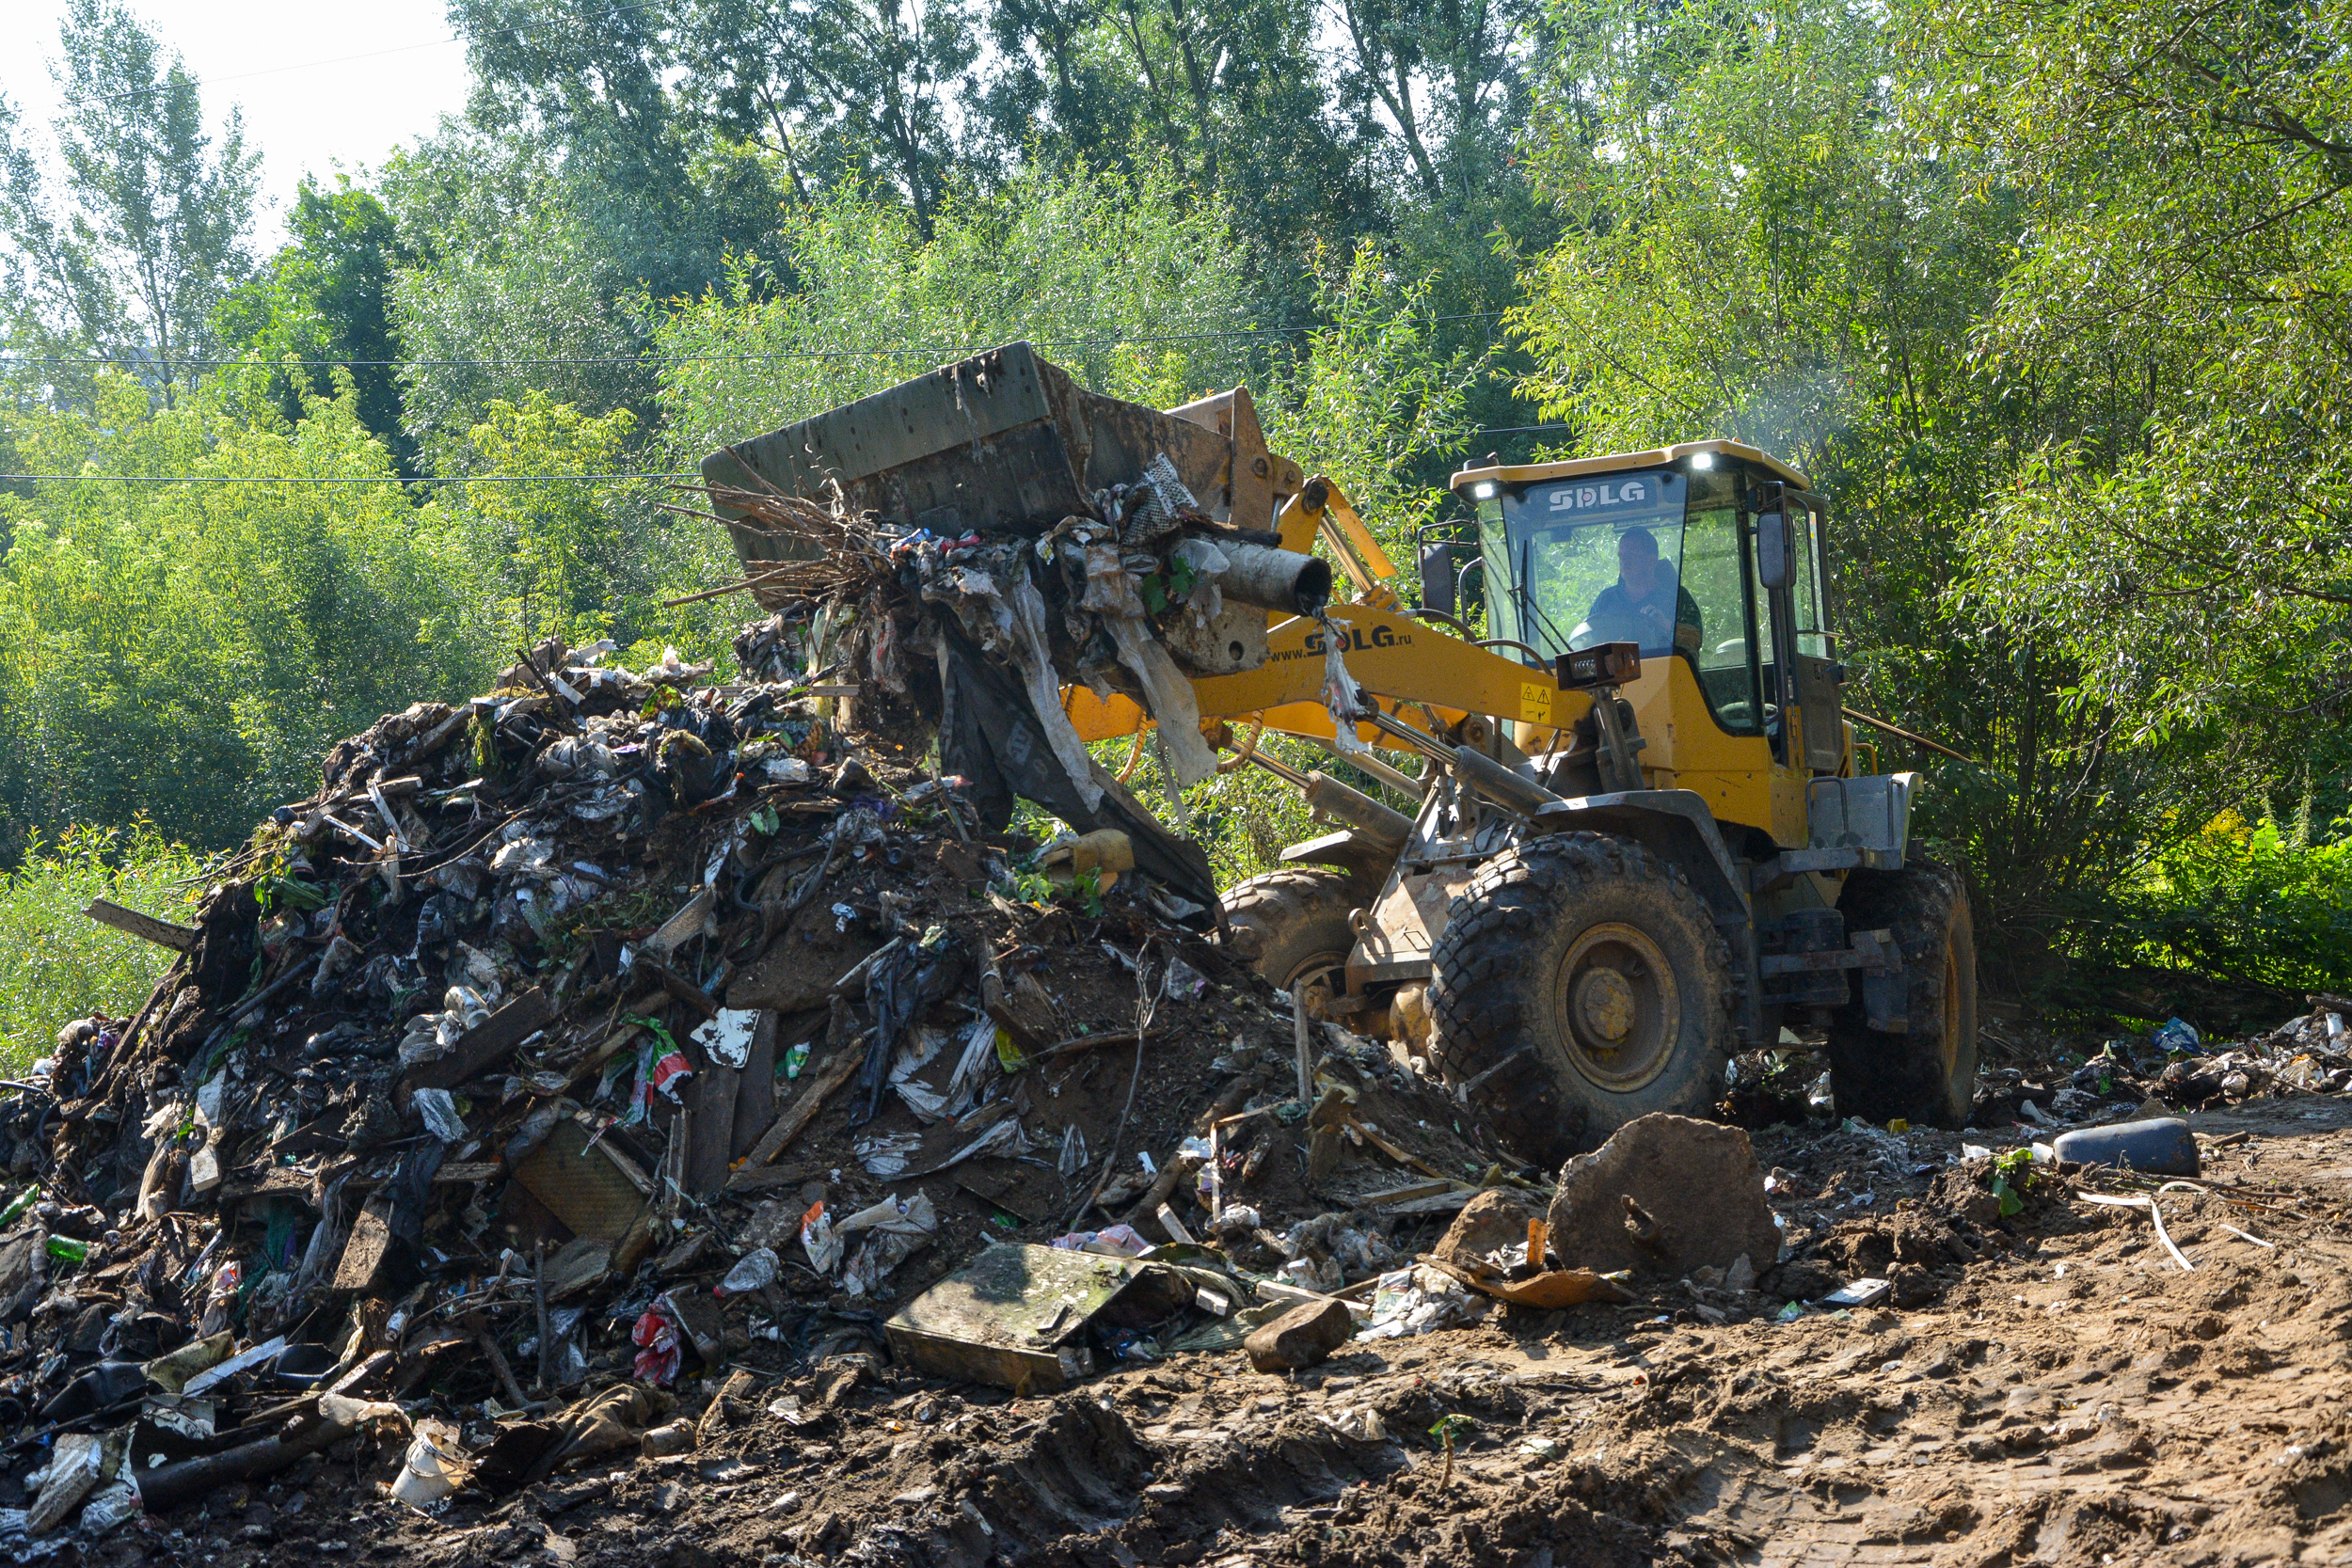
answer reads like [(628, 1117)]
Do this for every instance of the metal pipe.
[(1426, 744), (1508, 789), (1906, 734), (1285, 582), (1359, 811), (1512, 791), (1281, 771), (1403, 783)]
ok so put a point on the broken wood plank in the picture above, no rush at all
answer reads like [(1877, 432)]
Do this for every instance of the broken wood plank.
[(678, 929), (1431, 1203), (363, 1253), (595, 1192), (841, 1063), (1414, 1190), (683, 989), (163, 933), (756, 1093), (486, 1044), (763, 1179), (1089, 1042), (710, 1119)]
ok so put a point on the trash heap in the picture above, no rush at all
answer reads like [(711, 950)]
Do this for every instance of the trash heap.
[(612, 1034), (2175, 1067), (974, 638)]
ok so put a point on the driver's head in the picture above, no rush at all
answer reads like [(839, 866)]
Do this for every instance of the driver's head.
[(1637, 562)]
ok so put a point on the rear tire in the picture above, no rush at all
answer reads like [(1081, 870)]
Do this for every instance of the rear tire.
[(1584, 973), (1926, 1075), (1295, 921)]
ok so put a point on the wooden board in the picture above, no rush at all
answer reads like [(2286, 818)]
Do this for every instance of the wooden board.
[(710, 1099), (486, 1044), (364, 1253), (1013, 1317), (581, 1186), (755, 1095), (163, 933), (840, 1063)]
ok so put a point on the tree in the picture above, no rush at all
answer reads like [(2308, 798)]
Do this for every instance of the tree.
[(553, 546), (1230, 94), (2180, 175), (326, 297), (1803, 270), (149, 234), (841, 90), (191, 651), (1450, 77)]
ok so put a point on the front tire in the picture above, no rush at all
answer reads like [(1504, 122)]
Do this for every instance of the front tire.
[(1579, 982), (1294, 922), (1926, 1074)]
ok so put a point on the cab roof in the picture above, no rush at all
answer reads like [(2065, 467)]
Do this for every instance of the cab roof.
[(1677, 455)]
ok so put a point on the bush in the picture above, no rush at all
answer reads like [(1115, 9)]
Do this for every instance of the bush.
[(2255, 903), (56, 964)]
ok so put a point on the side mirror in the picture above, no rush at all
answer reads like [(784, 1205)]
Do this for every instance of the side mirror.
[(1771, 549), (1437, 577)]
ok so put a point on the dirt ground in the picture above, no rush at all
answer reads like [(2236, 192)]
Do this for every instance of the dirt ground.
[(2069, 1396)]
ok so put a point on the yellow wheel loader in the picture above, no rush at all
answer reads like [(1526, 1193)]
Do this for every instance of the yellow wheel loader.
[(1646, 837)]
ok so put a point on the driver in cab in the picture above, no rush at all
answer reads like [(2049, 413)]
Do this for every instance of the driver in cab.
[(1647, 604)]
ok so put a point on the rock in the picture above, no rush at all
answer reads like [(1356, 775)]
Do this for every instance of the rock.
[(1664, 1195), (1302, 1337), (1911, 1285), (1492, 1220)]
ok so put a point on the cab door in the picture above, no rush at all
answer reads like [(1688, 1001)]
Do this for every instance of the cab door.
[(1788, 559)]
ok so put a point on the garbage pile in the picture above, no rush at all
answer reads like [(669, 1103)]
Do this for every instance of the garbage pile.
[(2174, 1067), (974, 638), (614, 1035)]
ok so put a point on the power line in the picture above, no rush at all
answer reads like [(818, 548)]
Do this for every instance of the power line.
[(307, 479), (904, 351), (166, 84)]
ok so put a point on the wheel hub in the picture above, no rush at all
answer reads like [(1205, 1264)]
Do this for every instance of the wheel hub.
[(1617, 1007), (1604, 1004)]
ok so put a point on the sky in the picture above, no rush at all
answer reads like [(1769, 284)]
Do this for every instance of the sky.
[(319, 83)]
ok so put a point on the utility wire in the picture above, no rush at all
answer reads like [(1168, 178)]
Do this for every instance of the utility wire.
[(901, 351), (461, 479), (304, 479), (166, 84)]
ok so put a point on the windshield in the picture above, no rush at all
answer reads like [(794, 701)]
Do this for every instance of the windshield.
[(1590, 560), (1653, 556)]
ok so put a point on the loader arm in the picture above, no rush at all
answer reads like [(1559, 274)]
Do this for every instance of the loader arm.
[(1409, 664)]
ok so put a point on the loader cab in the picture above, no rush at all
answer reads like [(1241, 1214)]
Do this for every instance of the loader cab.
[(1709, 552)]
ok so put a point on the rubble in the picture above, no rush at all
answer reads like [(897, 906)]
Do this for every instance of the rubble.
[(610, 1034), (687, 1112), (1301, 1338)]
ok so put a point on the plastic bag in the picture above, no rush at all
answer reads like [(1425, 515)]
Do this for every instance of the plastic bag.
[(659, 1354), (753, 1271)]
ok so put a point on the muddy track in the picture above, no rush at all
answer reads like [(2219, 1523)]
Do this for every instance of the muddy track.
[(2072, 1397)]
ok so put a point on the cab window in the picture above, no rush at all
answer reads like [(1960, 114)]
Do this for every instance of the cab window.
[(1716, 575)]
